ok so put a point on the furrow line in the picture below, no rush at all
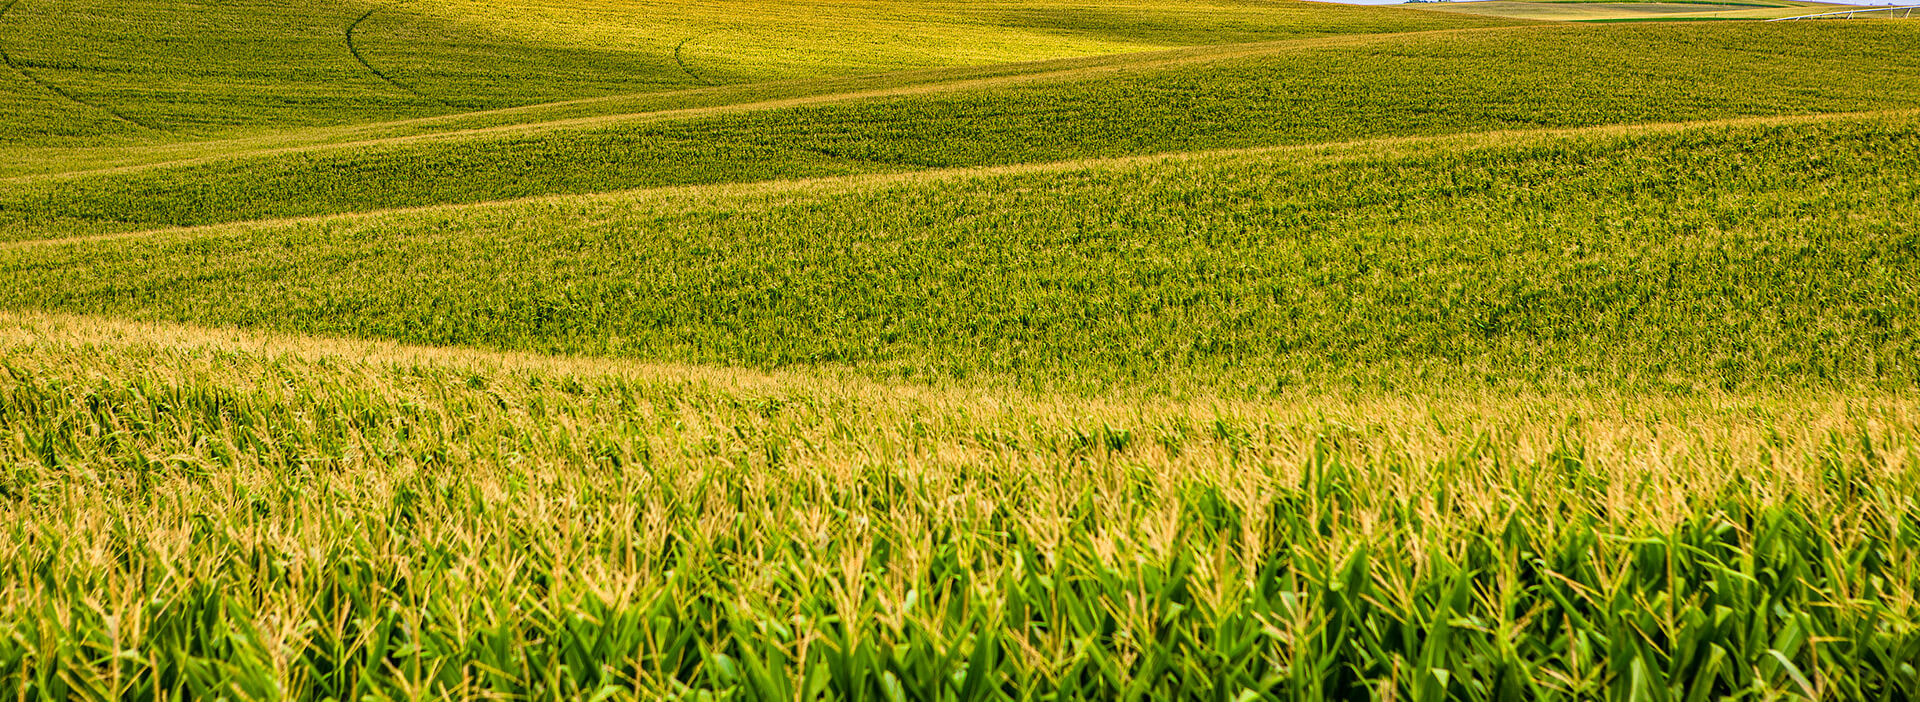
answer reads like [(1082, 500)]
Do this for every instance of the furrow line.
[(1167, 59), (7, 57), (354, 49), (680, 59)]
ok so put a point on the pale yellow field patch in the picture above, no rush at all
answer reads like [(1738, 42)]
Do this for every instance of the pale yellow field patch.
[(728, 39)]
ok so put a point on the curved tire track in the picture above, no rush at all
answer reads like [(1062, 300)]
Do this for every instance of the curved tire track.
[(682, 62), (7, 58), (382, 75)]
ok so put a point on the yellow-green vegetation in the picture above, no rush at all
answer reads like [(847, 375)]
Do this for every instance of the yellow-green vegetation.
[(193, 513), (746, 40), (1631, 11), (1223, 350), (1741, 255), (187, 69), (1312, 91), (194, 80)]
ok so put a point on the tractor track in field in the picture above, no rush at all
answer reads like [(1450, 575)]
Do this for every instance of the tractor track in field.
[(7, 58), (680, 60), (1071, 69), (354, 49)]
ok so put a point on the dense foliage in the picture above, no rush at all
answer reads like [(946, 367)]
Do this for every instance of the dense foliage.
[(194, 516), (1223, 350), (84, 72), (1288, 94), (1735, 256)]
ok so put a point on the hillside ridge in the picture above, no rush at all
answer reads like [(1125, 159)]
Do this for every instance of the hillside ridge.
[(1329, 152), (1098, 65)]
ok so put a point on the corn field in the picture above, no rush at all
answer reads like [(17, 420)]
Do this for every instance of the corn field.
[(194, 515), (931, 351)]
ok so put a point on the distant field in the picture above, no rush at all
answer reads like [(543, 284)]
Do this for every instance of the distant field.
[(1286, 93), (1595, 10), (1022, 350), (1730, 256), (734, 41), (196, 69)]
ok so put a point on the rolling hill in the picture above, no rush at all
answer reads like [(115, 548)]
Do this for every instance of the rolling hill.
[(923, 350)]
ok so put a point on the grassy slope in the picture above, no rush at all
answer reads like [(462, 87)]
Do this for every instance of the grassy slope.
[(1742, 255), (201, 511), (1381, 513), (205, 79), (189, 68), (1589, 10), (1290, 93), (742, 40), (185, 70), (29, 161)]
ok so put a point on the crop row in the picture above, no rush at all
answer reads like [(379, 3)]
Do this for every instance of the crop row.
[(1731, 256), (238, 67), (1412, 85), (187, 514)]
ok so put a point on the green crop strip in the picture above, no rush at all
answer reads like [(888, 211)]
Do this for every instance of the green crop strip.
[(1736, 256), (8, 59), (1340, 91), (197, 70)]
